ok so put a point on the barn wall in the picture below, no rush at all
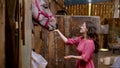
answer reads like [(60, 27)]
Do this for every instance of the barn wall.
[(104, 10)]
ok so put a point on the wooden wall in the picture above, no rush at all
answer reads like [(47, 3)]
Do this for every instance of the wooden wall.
[(104, 10), (18, 32), (2, 33)]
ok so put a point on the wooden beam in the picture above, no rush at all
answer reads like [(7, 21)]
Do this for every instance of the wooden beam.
[(27, 34), (11, 50), (2, 34)]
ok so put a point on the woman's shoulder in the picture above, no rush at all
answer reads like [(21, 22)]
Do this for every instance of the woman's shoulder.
[(89, 41)]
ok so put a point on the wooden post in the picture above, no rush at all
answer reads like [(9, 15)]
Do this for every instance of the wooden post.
[(11, 50), (67, 33), (2, 34), (26, 40)]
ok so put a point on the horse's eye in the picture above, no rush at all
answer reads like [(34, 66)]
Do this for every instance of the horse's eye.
[(45, 6)]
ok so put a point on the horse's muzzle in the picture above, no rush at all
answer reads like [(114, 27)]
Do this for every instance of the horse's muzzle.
[(51, 27)]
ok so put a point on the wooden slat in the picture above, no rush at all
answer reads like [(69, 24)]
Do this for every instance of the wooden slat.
[(26, 48), (20, 42), (51, 51), (92, 9), (67, 20), (11, 48), (60, 48), (2, 34), (77, 8), (72, 10), (37, 41)]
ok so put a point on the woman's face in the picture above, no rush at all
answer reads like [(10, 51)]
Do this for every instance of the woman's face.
[(83, 28)]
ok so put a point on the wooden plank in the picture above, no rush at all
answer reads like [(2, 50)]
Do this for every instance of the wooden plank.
[(67, 20), (26, 48), (11, 47), (98, 12), (92, 9), (2, 34), (37, 41), (60, 48), (20, 41), (51, 51)]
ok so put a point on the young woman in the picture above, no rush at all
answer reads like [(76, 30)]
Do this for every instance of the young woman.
[(85, 45)]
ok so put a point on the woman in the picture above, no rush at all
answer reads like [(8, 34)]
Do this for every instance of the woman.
[(85, 45)]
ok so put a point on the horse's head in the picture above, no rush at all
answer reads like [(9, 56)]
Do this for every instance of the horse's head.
[(42, 14)]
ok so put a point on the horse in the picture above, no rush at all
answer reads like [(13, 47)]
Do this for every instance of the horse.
[(42, 15)]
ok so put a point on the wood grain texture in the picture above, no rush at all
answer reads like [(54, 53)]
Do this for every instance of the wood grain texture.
[(26, 47), (2, 34)]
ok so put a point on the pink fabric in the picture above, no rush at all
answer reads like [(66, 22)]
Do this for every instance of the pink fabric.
[(85, 49)]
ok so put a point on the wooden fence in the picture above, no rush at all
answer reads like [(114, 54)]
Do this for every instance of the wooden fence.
[(104, 10)]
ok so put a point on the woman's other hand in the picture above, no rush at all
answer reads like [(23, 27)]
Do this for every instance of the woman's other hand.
[(69, 57)]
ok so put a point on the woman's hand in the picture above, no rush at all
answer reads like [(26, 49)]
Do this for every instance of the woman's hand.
[(72, 56), (69, 56)]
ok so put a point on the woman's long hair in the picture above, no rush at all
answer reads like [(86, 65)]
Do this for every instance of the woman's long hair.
[(92, 33)]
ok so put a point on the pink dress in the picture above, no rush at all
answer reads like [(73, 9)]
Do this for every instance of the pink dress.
[(85, 49)]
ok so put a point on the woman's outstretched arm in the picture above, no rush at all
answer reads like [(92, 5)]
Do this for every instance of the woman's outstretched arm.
[(74, 57), (61, 35)]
